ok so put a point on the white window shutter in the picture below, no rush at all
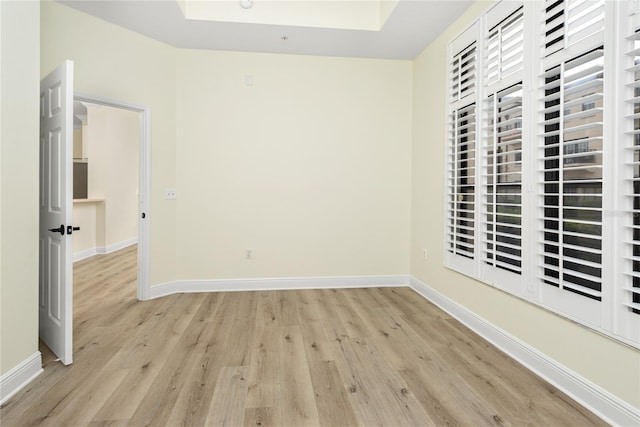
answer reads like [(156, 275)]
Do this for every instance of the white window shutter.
[(629, 294), (572, 163), (502, 222), (501, 171), (571, 26), (461, 216), (504, 43), (463, 73), (543, 158), (462, 143)]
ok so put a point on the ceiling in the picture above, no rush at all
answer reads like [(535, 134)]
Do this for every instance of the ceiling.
[(410, 27)]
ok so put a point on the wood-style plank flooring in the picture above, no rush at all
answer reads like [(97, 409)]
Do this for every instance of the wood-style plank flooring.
[(367, 357)]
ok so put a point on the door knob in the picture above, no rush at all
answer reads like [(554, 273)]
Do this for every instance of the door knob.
[(58, 230), (71, 229)]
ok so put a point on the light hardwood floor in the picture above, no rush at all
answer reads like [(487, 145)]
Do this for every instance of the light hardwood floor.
[(341, 357)]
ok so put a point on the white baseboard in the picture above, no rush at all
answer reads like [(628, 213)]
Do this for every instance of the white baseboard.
[(87, 253), (272, 284), (116, 246), (21, 375), (602, 403)]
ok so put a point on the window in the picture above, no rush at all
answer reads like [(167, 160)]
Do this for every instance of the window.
[(501, 212), (539, 157), (503, 180), (462, 155), (571, 201), (462, 201)]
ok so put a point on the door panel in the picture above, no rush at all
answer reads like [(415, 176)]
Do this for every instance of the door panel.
[(56, 198)]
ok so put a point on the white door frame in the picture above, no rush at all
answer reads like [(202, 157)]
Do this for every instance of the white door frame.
[(144, 183)]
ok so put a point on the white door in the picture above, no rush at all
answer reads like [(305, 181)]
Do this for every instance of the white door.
[(56, 198)]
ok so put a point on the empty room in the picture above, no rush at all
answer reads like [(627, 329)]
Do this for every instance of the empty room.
[(339, 213)]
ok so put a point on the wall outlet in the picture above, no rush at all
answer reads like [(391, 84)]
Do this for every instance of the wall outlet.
[(248, 254), (170, 194), (424, 254)]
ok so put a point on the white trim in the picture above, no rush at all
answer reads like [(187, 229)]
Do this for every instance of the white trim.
[(599, 401), (277, 283), (87, 253), (144, 183), (21, 375), (116, 246)]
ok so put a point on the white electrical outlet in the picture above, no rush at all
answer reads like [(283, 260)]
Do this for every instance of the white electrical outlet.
[(170, 194), (424, 254), (248, 254)]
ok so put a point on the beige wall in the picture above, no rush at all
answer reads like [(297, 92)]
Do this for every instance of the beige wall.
[(78, 151), (315, 182), (19, 88), (613, 366), (118, 64), (89, 216), (111, 138), (308, 167)]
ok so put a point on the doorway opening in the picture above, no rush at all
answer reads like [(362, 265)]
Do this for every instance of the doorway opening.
[(96, 225), (120, 173), (55, 300)]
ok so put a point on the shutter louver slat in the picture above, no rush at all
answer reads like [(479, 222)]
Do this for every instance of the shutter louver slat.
[(585, 19)]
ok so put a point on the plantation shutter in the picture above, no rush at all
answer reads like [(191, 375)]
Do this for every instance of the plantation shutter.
[(568, 23), (505, 45), (461, 157), (572, 167), (503, 181), (462, 197), (629, 318), (502, 148), (543, 158), (463, 73)]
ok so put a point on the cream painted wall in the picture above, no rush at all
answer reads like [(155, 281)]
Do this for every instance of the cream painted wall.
[(77, 143), (307, 167), (612, 366), (19, 86), (89, 216), (118, 64), (111, 136), (331, 163)]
